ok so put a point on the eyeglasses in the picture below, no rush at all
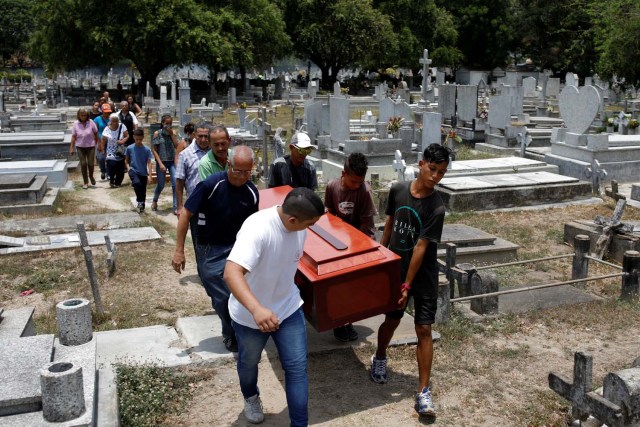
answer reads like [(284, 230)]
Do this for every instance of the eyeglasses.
[(304, 151), (239, 171)]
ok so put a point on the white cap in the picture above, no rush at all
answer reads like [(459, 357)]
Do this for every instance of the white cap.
[(302, 140)]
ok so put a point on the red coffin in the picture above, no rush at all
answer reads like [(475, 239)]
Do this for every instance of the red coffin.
[(342, 286)]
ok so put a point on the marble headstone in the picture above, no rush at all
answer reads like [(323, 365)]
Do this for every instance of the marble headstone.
[(579, 107), (447, 101), (431, 133), (467, 102)]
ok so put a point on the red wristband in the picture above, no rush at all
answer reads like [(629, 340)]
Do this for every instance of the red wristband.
[(405, 287)]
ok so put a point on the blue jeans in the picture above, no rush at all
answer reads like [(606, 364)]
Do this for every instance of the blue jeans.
[(162, 176), (291, 341), (211, 260), (102, 161)]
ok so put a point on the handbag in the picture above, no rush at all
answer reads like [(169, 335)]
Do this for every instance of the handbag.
[(121, 149)]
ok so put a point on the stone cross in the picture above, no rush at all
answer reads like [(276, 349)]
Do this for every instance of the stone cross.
[(399, 165), (596, 173), (609, 226), (585, 402), (425, 61), (524, 139)]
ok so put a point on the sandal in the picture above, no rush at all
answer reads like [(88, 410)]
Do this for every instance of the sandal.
[(85, 186), (154, 206), (93, 181)]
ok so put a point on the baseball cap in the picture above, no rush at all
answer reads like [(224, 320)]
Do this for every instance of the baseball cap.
[(106, 108), (302, 140)]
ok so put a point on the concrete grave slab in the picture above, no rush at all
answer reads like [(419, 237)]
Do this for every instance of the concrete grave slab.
[(11, 241), (20, 363), (17, 322), (464, 235), (464, 183), (153, 344), (26, 193), (67, 224), (18, 180), (96, 238), (506, 180)]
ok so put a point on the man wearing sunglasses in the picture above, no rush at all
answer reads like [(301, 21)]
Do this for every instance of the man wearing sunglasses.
[(295, 169)]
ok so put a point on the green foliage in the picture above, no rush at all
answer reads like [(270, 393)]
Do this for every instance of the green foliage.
[(408, 18), (16, 22), (617, 40), (557, 35), (485, 30), (338, 34), (148, 392), (154, 34)]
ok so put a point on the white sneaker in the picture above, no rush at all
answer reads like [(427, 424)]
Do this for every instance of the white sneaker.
[(253, 410)]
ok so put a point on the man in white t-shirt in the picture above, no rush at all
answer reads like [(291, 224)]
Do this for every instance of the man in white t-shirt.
[(265, 302)]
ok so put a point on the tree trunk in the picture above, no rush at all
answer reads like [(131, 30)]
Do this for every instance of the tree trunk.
[(326, 77)]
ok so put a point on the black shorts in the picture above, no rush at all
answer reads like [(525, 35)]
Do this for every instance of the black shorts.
[(424, 311)]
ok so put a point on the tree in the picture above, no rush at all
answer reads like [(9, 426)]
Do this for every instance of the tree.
[(338, 34), (255, 32), (409, 20), (486, 31), (618, 40), (16, 22), (155, 34), (557, 35)]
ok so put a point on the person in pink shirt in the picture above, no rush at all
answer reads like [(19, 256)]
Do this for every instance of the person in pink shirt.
[(84, 139)]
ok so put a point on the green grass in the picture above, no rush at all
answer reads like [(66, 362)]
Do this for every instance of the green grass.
[(147, 393)]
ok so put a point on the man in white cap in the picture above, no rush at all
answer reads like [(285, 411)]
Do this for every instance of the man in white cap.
[(294, 169)]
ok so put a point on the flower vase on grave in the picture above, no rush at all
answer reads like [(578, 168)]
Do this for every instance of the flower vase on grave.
[(633, 131), (609, 129), (242, 115)]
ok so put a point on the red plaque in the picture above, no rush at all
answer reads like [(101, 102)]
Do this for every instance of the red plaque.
[(344, 275)]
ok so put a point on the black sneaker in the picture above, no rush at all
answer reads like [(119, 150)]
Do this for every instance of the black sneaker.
[(341, 334), (231, 344), (103, 176), (140, 207), (353, 335)]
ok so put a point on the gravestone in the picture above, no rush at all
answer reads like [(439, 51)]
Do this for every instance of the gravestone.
[(185, 102), (232, 96), (571, 79), (499, 112), (163, 97), (339, 119), (447, 101), (579, 107), (553, 86), (529, 86), (467, 102), (336, 89), (431, 133), (440, 78), (427, 93)]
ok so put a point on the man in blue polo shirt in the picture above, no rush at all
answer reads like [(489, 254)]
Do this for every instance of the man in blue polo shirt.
[(221, 202)]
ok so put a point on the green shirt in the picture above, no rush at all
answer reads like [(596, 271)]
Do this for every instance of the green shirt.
[(210, 165)]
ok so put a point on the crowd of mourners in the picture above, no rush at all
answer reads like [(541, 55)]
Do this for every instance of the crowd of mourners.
[(247, 258)]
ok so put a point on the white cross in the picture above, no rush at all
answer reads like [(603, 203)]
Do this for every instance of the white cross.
[(425, 61), (399, 165)]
